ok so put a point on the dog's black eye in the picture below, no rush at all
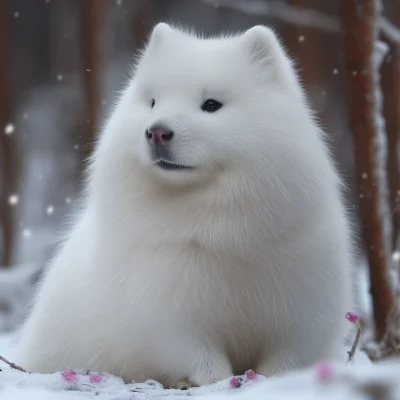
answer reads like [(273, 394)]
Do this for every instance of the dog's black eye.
[(153, 102), (211, 105)]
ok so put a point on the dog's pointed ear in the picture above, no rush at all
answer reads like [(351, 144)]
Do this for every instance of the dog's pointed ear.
[(159, 33), (265, 50), (259, 43), (263, 45)]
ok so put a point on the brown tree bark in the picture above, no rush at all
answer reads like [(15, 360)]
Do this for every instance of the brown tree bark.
[(359, 23), (91, 29), (391, 91), (8, 152)]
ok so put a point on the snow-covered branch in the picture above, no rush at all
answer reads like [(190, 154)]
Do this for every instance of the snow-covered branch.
[(299, 16), (390, 32), (284, 12)]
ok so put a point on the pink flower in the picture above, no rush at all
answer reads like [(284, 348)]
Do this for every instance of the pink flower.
[(324, 371), (69, 375), (351, 316), (234, 382), (251, 375), (95, 378)]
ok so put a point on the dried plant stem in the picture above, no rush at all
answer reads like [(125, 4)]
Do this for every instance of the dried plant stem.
[(353, 348), (11, 364)]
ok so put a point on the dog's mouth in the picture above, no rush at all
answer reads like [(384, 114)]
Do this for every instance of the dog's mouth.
[(168, 166)]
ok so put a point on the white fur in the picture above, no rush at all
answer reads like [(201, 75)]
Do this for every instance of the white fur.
[(196, 275)]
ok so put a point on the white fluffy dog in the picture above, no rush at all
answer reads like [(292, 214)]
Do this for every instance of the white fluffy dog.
[(213, 237)]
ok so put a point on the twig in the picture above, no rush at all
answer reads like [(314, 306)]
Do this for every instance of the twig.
[(390, 32), (11, 364), (353, 348)]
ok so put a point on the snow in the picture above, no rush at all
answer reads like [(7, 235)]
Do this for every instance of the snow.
[(26, 233), (13, 200), (342, 381), (50, 210), (9, 129), (380, 140)]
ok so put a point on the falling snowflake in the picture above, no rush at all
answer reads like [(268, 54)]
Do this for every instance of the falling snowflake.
[(335, 71), (13, 200), (50, 210), (396, 256), (26, 233), (68, 200), (16, 14), (88, 70), (9, 129), (60, 77), (301, 38), (25, 116), (76, 147), (354, 73), (364, 175), (119, 2)]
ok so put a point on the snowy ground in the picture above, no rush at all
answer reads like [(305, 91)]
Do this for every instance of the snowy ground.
[(360, 380)]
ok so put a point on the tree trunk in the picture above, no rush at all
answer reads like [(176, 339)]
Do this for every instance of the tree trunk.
[(359, 23), (91, 30), (391, 90), (8, 152)]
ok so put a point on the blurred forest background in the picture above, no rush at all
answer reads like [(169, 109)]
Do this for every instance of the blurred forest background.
[(62, 62)]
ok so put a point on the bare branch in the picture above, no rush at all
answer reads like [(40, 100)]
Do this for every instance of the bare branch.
[(298, 16), (11, 364), (353, 348), (389, 31), (281, 11)]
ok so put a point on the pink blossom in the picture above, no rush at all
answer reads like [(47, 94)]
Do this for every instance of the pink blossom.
[(351, 316), (234, 382), (251, 375), (69, 375), (324, 371), (95, 378)]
